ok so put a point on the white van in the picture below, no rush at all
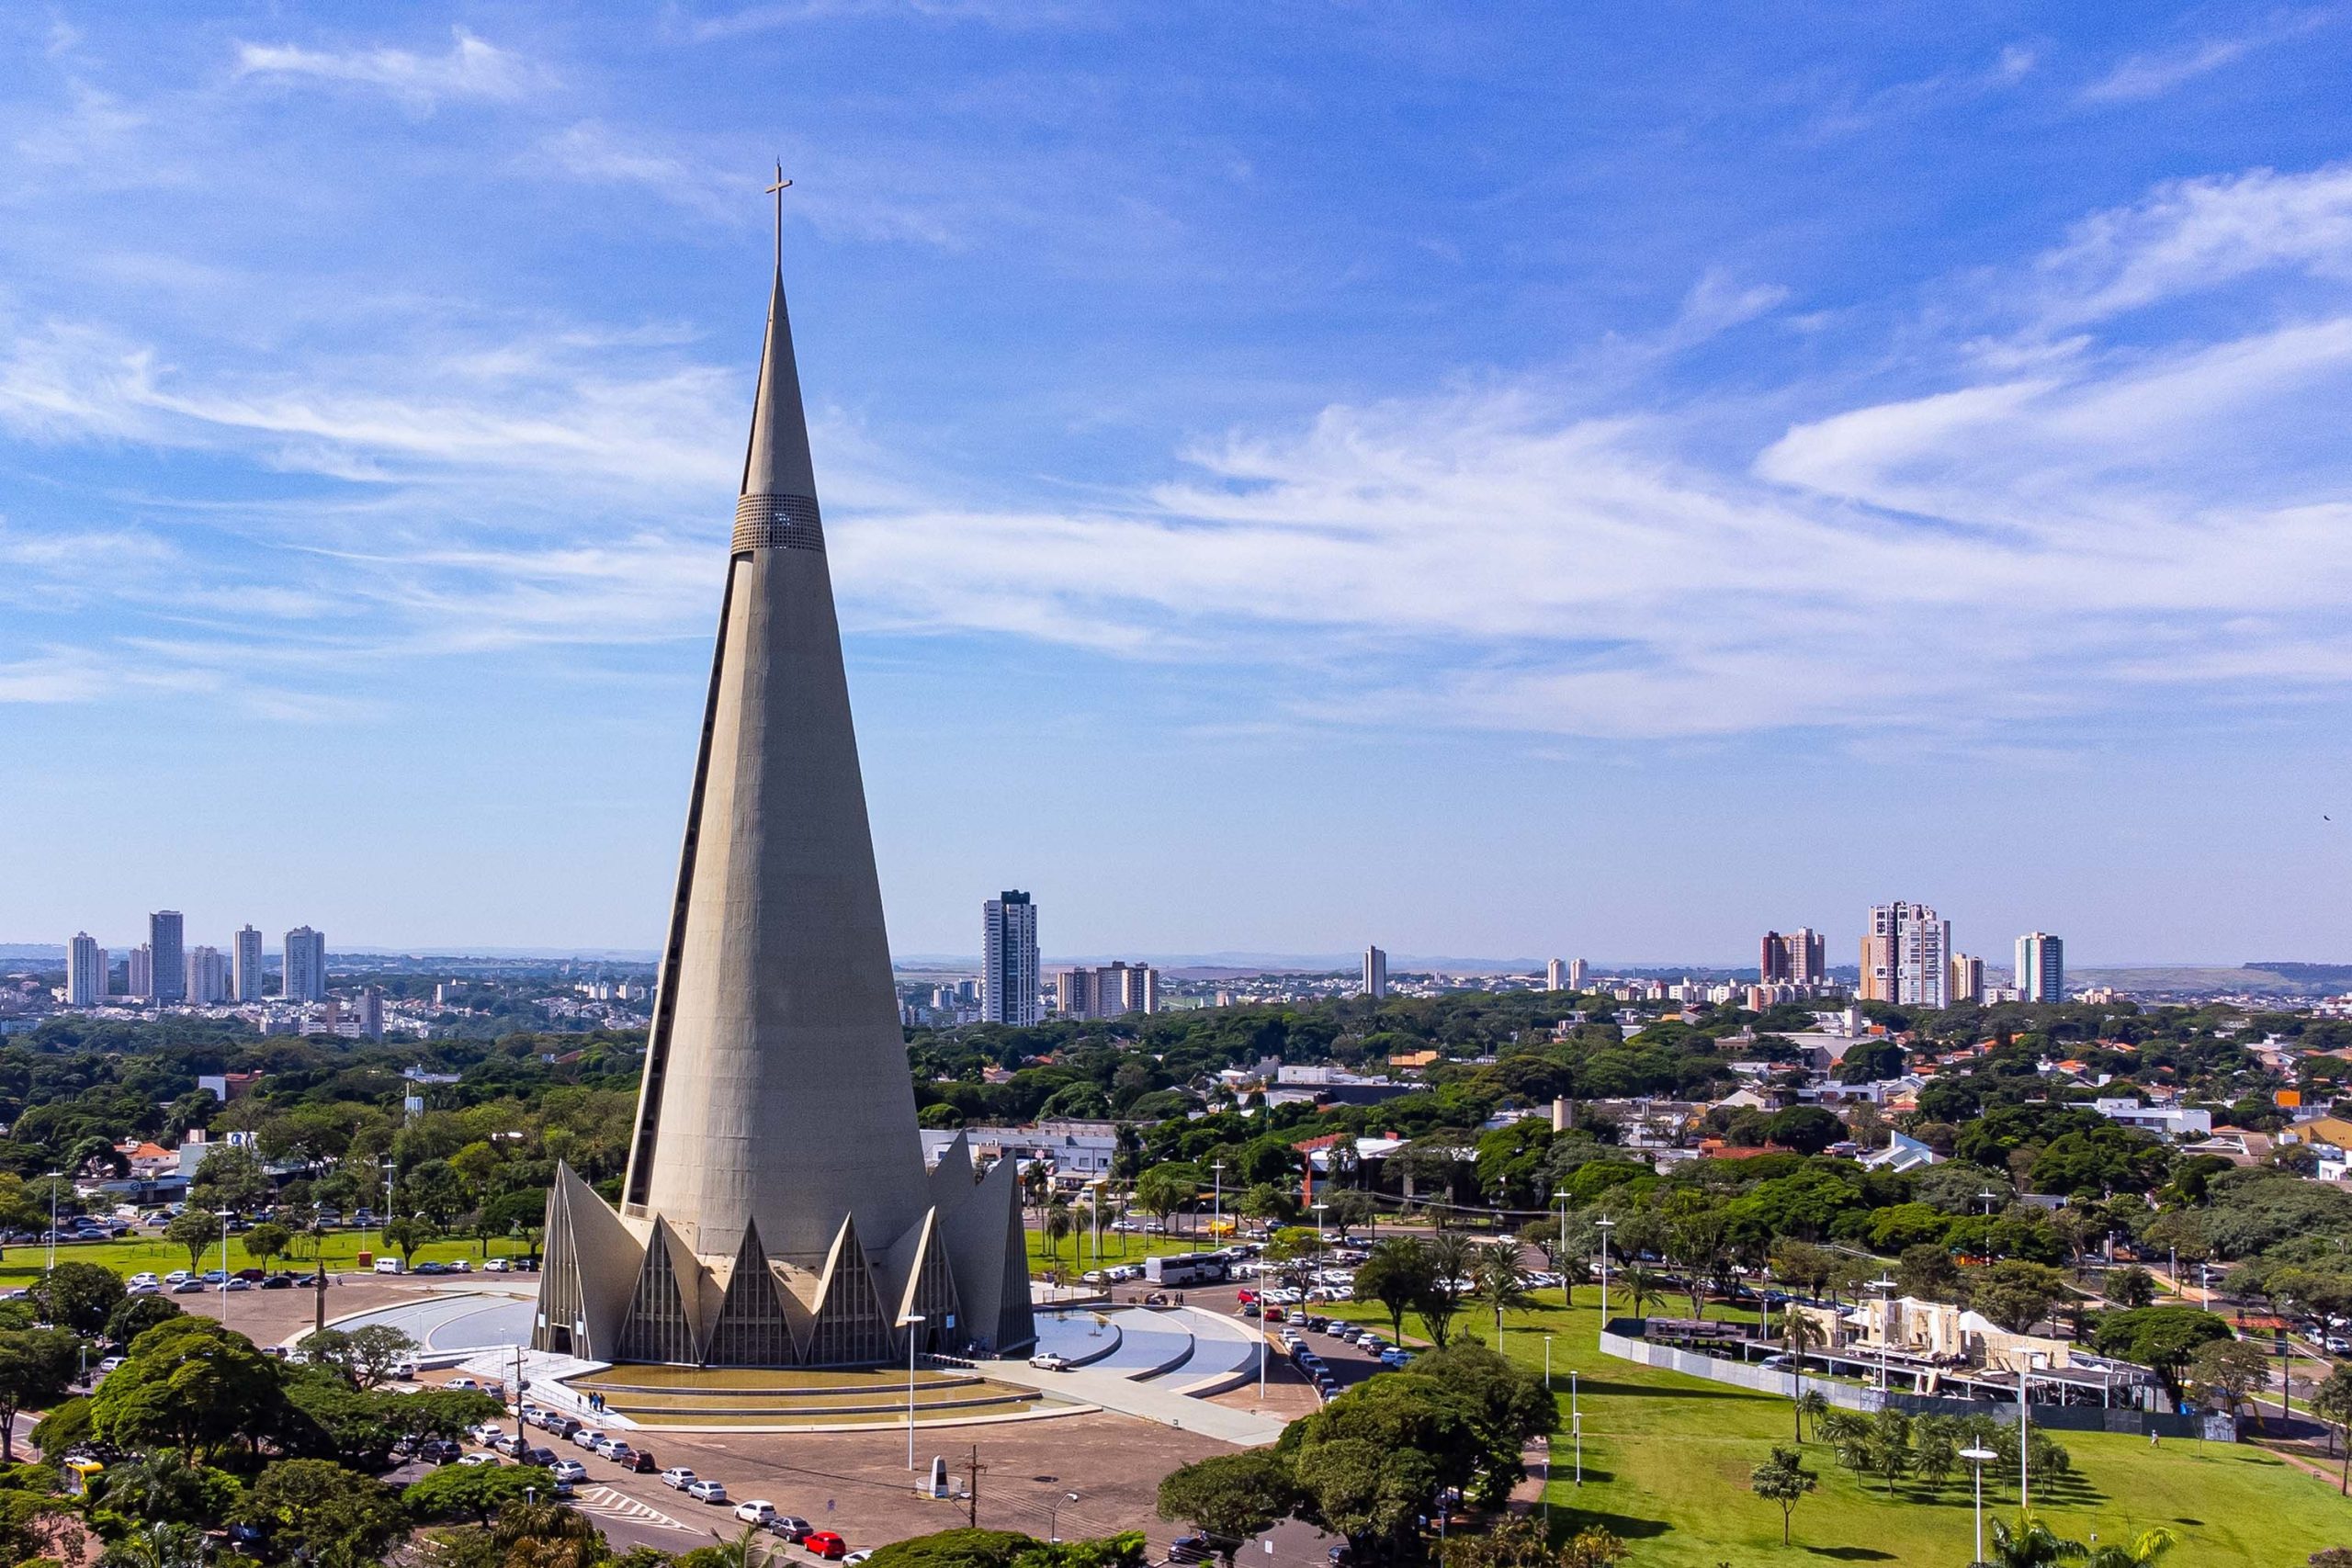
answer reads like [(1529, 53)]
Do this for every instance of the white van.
[(391, 1266)]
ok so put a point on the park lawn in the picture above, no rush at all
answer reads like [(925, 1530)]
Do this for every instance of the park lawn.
[(23, 1264), (1666, 1460)]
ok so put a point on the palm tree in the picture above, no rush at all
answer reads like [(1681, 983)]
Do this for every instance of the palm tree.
[(1058, 1225), (2149, 1546), (1642, 1287), (1497, 1283), (1452, 1264), (1799, 1333), (2033, 1546)]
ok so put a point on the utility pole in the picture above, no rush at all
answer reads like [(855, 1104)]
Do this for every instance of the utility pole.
[(972, 1488)]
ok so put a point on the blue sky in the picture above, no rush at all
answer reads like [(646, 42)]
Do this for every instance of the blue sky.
[(1493, 481)]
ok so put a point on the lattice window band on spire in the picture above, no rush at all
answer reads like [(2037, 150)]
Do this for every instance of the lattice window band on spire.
[(778, 522)]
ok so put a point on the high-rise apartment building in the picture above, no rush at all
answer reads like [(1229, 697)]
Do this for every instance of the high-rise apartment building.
[(371, 1014), (244, 982), (1965, 981), (306, 966), (1577, 971), (1800, 958), (1111, 991), (86, 972), (1009, 977), (1906, 956), (1555, 975), (169, 968), (1375, 973), (206, 977), (2041, 968)]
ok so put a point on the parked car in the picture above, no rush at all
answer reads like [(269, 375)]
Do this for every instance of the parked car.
[(860, 1555), (390, 1266), (678, 1477), (544, 1458), (568, 1469), (439, 1450), (707, 1491), (590, 1439), (278, 1282), (508, 1444), (638, 1461), (825, 1544), (495, 1266), (480, 1459), (606, 1446), (236, 1282), (792, 1528), (1048, 1361), (142, 1282), (1191, 1549), (756, 1511)]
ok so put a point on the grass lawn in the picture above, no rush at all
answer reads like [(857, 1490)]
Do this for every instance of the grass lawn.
[(22, 1265), (1076, 1253), (1666, 1460)]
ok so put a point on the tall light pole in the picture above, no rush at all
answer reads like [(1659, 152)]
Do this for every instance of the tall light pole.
[(1976, 1459), (2025, 1479), (1319, 1223), (1885, 1289), (1576, 1423), (225, 1275), (912, 1320), (383, 1241), (1604, 1226), (1216, 1199), (1567, 1291)]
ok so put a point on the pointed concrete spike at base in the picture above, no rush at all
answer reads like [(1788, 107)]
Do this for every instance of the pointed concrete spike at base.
[(753, 1328), (588, 1272), (851, 1329), (664, 1315)]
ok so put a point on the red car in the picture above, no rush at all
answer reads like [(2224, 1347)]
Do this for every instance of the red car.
[(826, 1544), (1245, 1297)]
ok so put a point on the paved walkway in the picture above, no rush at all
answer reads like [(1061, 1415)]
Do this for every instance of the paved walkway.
[(1146, 1401)]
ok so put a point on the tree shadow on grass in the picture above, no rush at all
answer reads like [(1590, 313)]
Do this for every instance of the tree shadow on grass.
[(1572, 1519), (1852, 1553)]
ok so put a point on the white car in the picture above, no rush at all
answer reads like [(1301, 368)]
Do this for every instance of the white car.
[(860, 1555), (678, 1477), (463, 1384), (481, 1459), (568, 1469), (109, 1364), (178, 1276), (391, 1266), (144, 1282), (756, 1511), (707, 1491), (1047, 1362), (588, 1437)]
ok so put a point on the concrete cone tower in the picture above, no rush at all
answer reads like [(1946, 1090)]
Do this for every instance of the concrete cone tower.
[(776, 1127)]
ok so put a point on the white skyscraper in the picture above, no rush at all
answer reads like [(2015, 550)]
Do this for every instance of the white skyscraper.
[(1008, 975), (1907, 957), (2041, 968), (206, 977), (1375, 973), (306, 966), (86, 972), (1577, 970), (170, 958), (1555, 975), (245, 982), (138, 972)]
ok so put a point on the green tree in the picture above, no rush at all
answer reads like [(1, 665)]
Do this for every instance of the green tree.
[(1231, 1497), (1783, 1479), (1935, 1449), (1396, 1274), (1163, 1190), (520, 1214), (2332, 1402), (163, 1487), (1799, 1333), (189, 1382), (1271, 1204), (195, 1229), (2227, 1370), (1639, 1284), (1369, 1494), (473, 1491), (322, 1513), (268, 1242), (1452, 1263), (2016, 1295), (1057, 1227), (36, 1369), (2162, 1337), (77, 1296), (404, 1237), (2132, 1287), (231, 1180), (137, 1315), (366, 1356), (1345, 1208)]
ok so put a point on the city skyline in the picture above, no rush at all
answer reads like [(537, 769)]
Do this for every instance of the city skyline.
[(1472, 436)]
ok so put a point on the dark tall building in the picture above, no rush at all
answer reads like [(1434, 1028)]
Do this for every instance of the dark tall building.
[(166, 953), (1800, 958)]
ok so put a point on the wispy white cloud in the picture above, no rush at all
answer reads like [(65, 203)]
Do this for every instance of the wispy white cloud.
[(2152, 75), (2196, 234), (473, 69), (766, 18)]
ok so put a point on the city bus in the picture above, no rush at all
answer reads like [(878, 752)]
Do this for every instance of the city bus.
[(1189, 1268)]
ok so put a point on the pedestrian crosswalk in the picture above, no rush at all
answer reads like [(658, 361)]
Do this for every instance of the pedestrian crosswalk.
[(613, 1505)]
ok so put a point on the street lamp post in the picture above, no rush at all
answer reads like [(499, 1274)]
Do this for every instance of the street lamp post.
[(1216, 1199), (1319, 1223), (1604, 1226), (1976, 1459), (225, 1275), (1054, 1517), (383, 1234), (912, 1320), (1576, 1423)]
